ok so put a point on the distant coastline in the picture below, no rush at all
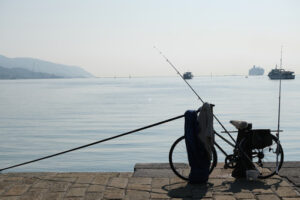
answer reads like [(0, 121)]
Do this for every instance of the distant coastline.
[(19, 73), (31, 68)]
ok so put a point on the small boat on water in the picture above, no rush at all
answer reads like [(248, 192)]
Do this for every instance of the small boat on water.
[(276, 74), (280, 73), (188, 75)]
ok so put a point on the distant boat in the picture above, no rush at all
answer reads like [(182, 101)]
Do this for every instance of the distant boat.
[(188, 75), (256, 71), (276, 74)]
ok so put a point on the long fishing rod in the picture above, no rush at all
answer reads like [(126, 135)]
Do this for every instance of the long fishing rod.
[(173, 66), (278, 123), (97, 142), (278, 126)]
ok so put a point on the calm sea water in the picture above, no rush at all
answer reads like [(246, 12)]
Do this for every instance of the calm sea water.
[(42, 117)]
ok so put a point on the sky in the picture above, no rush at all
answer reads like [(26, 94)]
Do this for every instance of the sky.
[(116, 38)]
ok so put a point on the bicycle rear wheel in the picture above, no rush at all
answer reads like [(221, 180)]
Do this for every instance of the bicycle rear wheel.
[(178, 159), (265, 159)]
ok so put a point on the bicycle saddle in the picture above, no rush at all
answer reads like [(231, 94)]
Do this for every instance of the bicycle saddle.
[(239, 124)]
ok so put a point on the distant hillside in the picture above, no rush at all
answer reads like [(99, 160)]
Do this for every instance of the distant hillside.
[(36, 65), (19, 73)]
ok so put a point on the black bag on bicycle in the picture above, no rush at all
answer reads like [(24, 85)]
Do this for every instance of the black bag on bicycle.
[(261, 138)]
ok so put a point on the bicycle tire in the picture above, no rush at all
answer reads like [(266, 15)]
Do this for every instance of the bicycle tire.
[(181, 169), (267, 165)]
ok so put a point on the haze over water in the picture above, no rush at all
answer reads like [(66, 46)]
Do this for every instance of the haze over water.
[(42, 117)]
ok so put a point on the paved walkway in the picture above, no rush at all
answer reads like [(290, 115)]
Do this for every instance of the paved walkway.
[(148, 181)]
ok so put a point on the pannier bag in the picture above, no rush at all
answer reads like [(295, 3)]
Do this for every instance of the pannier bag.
[(261, 138)]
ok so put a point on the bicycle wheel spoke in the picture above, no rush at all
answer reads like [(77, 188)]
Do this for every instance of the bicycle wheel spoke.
[(265, 161)]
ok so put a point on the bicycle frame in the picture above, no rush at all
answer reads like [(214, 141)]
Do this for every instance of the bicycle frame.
[(225, 140), (228, 142)]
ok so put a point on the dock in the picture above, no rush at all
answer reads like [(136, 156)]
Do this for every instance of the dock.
[(148, 181)]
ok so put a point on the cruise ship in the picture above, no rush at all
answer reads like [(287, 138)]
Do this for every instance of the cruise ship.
[(256, 71)]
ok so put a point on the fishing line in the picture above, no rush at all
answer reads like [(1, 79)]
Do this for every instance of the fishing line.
[(168, 61), (97, 142)]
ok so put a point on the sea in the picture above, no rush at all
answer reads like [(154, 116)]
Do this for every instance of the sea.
[(47, 116)]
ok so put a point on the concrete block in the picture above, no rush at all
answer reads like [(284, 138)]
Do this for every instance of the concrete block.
[(118, 182), (17, 190), (267, 197)]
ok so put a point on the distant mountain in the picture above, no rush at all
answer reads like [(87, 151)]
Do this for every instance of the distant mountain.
[(19, 73), (41, 66)]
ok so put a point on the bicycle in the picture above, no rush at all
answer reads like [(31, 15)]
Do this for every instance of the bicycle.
[(256, 157), (263, 158)]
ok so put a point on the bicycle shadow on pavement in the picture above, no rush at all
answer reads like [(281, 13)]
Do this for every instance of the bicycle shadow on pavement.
[(239, 185), (186, 190), (244, 185)]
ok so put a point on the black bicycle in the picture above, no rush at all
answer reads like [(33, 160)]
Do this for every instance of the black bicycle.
[(266, 153)]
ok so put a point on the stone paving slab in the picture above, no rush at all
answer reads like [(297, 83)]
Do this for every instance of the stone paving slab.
[(145, 183)]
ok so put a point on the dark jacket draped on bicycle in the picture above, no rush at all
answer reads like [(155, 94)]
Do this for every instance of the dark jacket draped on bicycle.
[(199, 142)]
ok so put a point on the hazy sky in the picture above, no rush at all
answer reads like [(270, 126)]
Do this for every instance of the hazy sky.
[(116, 38)]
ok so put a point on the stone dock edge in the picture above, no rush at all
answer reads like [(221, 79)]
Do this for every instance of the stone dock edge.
[(148, 181)]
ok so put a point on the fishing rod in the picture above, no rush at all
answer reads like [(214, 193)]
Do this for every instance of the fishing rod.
[(93, 143), (279, 106), (173, 66)]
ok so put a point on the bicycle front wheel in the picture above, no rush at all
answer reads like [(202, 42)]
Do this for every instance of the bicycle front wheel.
[(178, 159)]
